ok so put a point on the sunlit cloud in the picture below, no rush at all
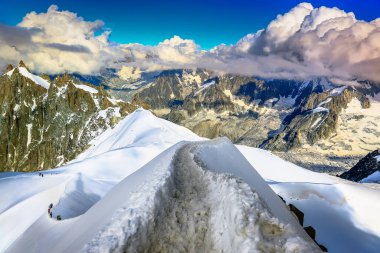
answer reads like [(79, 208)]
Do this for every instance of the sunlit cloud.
[(305, 42)]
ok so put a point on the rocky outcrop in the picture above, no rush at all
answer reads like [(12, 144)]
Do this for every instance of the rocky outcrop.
[(45, 123), (314, 119), (289, 117), (170, 88), (225, 105), (365, 167)]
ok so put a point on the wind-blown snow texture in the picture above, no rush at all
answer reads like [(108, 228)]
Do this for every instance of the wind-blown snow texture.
[(119, 195)]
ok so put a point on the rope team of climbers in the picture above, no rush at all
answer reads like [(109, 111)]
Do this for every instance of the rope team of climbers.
[(51, 213)]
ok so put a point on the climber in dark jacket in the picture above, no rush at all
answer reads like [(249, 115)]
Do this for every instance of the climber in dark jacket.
[(49, 210)]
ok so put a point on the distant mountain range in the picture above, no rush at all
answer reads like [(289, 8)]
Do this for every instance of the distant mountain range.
[(316, 123)]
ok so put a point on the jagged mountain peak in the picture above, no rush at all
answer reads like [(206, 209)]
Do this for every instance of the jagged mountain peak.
[(22, 64), (281, 115), (44, 123)]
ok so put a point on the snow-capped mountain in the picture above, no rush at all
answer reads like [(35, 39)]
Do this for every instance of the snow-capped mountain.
[(293, 118), (45, 123), (150, 185)]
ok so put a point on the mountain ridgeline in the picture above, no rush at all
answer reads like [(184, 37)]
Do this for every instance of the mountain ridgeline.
[(45, 123), (305, 121)]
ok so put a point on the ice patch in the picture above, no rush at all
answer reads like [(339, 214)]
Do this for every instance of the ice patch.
[(29, 127), (109, 112), (316, 122), (328, 100), (86, 88), (205, 86), (337, 91), (115, 101), (16, 108), (320, 109)]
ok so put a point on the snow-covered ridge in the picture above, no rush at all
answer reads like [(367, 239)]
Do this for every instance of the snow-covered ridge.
[(36, 79), (86, 88), (205, 86), (101, 212), (140, 128), (44, 83), (338, 91), (127, 212), (320, 109)]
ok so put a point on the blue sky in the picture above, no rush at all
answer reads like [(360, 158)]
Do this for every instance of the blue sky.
[(208, 22)]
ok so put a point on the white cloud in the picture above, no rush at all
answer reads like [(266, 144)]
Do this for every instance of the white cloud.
[(129, 73), (171, 53), (305, 42), (59, 41), (288, 24)]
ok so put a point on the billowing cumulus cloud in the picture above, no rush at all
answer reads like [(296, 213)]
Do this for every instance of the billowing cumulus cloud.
[(56, 42), (171, 53), (302, 43), (309, 42)]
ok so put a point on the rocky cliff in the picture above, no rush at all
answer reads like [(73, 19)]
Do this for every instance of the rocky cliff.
[(314, 119), (296, 119), (365, 167), (45, 123), (245, 109)]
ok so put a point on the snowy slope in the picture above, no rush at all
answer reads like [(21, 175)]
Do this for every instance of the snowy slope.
[(344, 213), (122, 220), (36, 79), (106, 170), (86, 88), (107, 197), (373, 178)]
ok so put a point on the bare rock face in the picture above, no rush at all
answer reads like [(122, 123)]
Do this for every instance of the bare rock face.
[(245, 109), (8, 68), (365, 167), (43, 127), (22, 64), (314, 119), (289, 117)]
